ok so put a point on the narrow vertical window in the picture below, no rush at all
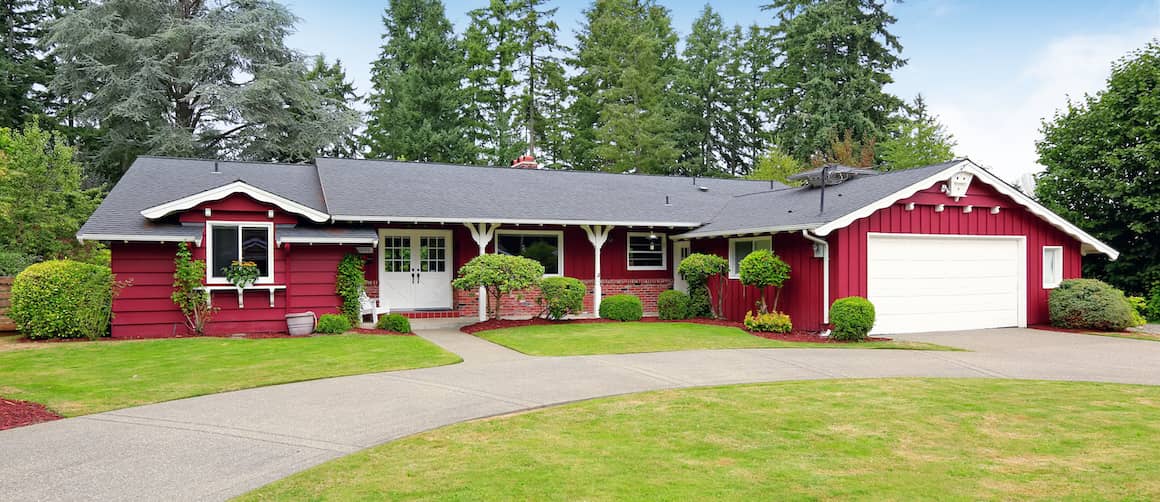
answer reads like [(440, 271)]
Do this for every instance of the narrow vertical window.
[(1052, 266)]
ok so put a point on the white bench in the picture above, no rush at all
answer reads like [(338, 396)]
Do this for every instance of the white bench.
[(373, 307)]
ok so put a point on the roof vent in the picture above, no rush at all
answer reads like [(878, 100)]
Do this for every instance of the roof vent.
[(831, 174), (703, 188)]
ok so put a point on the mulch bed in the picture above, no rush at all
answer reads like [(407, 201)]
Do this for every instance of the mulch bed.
[(20, 413), (794, 336)]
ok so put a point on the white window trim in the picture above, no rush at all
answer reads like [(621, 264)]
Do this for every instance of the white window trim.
[(734, 274), (1053, 282), (209, 225), (559, 248), (662, 241)]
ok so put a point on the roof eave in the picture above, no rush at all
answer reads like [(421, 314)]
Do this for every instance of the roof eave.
[(221, 192)]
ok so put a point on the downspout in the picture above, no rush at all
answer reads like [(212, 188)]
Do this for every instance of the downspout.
[(825, 273)]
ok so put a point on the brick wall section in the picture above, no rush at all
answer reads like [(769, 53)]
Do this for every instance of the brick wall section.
[(6, 324), (467, 304)]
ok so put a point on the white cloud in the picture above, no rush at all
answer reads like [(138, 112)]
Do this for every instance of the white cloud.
[(998, 125)]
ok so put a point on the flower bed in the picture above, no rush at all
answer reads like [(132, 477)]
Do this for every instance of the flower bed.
[(794, 336), (15, 413)]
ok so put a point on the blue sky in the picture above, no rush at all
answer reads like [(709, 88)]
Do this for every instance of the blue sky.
[(990, 69)]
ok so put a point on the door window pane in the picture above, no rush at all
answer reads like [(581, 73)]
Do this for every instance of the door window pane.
[(544, 248), (432, 254), (225, 249), (397, 253)]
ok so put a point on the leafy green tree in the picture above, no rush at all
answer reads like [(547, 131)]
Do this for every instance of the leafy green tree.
[(331, 82), (190, 78), (837, 57), (626, 61), (418, 108), (763, 269), (916, 140), (42, 204), (499, 275), (776, 165), (1103, 169), (705, 99)]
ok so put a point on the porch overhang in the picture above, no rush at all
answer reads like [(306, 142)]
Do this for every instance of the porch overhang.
[(294, 234)]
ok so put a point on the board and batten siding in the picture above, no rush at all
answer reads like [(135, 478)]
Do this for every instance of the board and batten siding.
[(848, 275)]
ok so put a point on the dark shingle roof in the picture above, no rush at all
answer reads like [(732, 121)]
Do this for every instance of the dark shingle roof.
[(366, 189), (152, 181)]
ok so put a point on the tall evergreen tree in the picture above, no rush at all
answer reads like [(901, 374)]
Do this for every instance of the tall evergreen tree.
[(705, 97), (748, 77), (493, 44), (916, 139), (838, 55), (183, 77), (418, 108), (626, 60), (24, 70), (331, 82), (543, 98)]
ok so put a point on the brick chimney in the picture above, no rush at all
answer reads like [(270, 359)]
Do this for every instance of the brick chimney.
[(526, 162)]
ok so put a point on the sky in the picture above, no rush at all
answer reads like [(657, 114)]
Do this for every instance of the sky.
[(990, 70)]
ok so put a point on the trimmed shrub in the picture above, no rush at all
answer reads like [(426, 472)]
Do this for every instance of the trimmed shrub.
[(696, 269), (498, 274), (762, 269), (621, 308), (12, 263), (851, 317), (1089, 304), (332, 324), (394, 322), (772, 322), (673, 305), (62, 299), (560, 296)]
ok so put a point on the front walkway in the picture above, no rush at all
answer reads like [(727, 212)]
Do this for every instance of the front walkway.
[(217, 446)]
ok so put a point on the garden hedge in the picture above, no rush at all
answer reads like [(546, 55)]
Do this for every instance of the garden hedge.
[(1089, 304), (851, 318), (621, 308), (62, 299)]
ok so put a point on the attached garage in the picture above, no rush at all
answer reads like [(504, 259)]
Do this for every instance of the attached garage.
[(932, 282)]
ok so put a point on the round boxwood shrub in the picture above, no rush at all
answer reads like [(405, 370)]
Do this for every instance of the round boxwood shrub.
[(394, 322), (851, 318), (62, 299), (332, 324), (1089, 304), (621, 308), (673, 305), (560, 296)]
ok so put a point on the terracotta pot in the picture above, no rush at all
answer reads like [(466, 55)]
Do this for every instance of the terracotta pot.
[(300, 324)]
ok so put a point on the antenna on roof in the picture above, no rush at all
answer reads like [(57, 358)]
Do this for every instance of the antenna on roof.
[(771, 184)]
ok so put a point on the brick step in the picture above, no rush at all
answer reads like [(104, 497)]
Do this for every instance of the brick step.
[(428, 314)]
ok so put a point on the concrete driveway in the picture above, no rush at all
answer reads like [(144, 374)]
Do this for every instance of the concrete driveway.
[(214, 447)]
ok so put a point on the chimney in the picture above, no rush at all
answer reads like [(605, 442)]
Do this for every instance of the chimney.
[(525, 162)]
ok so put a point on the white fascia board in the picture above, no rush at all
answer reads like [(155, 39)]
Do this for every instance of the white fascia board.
[(746, 231), (185, 203), (328, 240), (139, 238), (1089, 243), (511, 221)]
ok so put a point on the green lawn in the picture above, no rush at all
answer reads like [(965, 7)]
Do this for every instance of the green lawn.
[(79, 378), (894, 439), (629, 337)]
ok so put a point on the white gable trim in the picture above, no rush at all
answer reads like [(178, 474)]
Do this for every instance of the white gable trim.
[(1089, 244), (185, 203)]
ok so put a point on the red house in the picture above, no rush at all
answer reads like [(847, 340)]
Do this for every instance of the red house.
[(948, 246)]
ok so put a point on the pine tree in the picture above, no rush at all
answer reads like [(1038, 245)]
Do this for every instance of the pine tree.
[(187, 78), (23, 70), (749, 79), (838, 55), (705, 97), (542, 101), (917, 139), (331, 82), (493, 44), (418, 109), (622, 118)]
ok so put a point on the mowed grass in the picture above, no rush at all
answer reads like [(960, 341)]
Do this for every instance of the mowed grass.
[(894, 439), (78, 378), (630, 337)]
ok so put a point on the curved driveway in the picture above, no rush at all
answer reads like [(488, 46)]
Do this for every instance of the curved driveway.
[(217, 446)]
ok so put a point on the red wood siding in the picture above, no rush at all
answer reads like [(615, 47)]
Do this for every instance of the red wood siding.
[(800, 296), (848, 245)]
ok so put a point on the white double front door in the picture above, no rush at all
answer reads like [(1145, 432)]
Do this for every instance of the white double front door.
[(415, 268)]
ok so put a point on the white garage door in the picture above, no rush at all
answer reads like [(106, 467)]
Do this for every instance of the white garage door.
[(939, 283)]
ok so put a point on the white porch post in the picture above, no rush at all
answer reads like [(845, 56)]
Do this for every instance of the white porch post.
[(482, 233), (597, 234)]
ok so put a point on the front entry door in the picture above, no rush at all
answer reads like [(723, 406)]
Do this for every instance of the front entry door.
[(680, 252), (415, 269)]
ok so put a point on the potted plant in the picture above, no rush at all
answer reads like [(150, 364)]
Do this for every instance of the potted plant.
[(242, 273)]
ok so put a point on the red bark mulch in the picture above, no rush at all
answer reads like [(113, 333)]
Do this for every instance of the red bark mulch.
[(795, 336), (20, 413)]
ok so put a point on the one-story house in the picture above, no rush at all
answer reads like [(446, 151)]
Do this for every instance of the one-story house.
[(948, 246)]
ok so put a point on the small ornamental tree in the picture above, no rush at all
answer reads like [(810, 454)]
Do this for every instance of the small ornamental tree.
[(499, 274), (349, 284), (696, 269), (762, 269), (187, 292)]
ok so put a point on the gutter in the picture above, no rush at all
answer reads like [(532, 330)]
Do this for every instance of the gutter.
[(825, 273)]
